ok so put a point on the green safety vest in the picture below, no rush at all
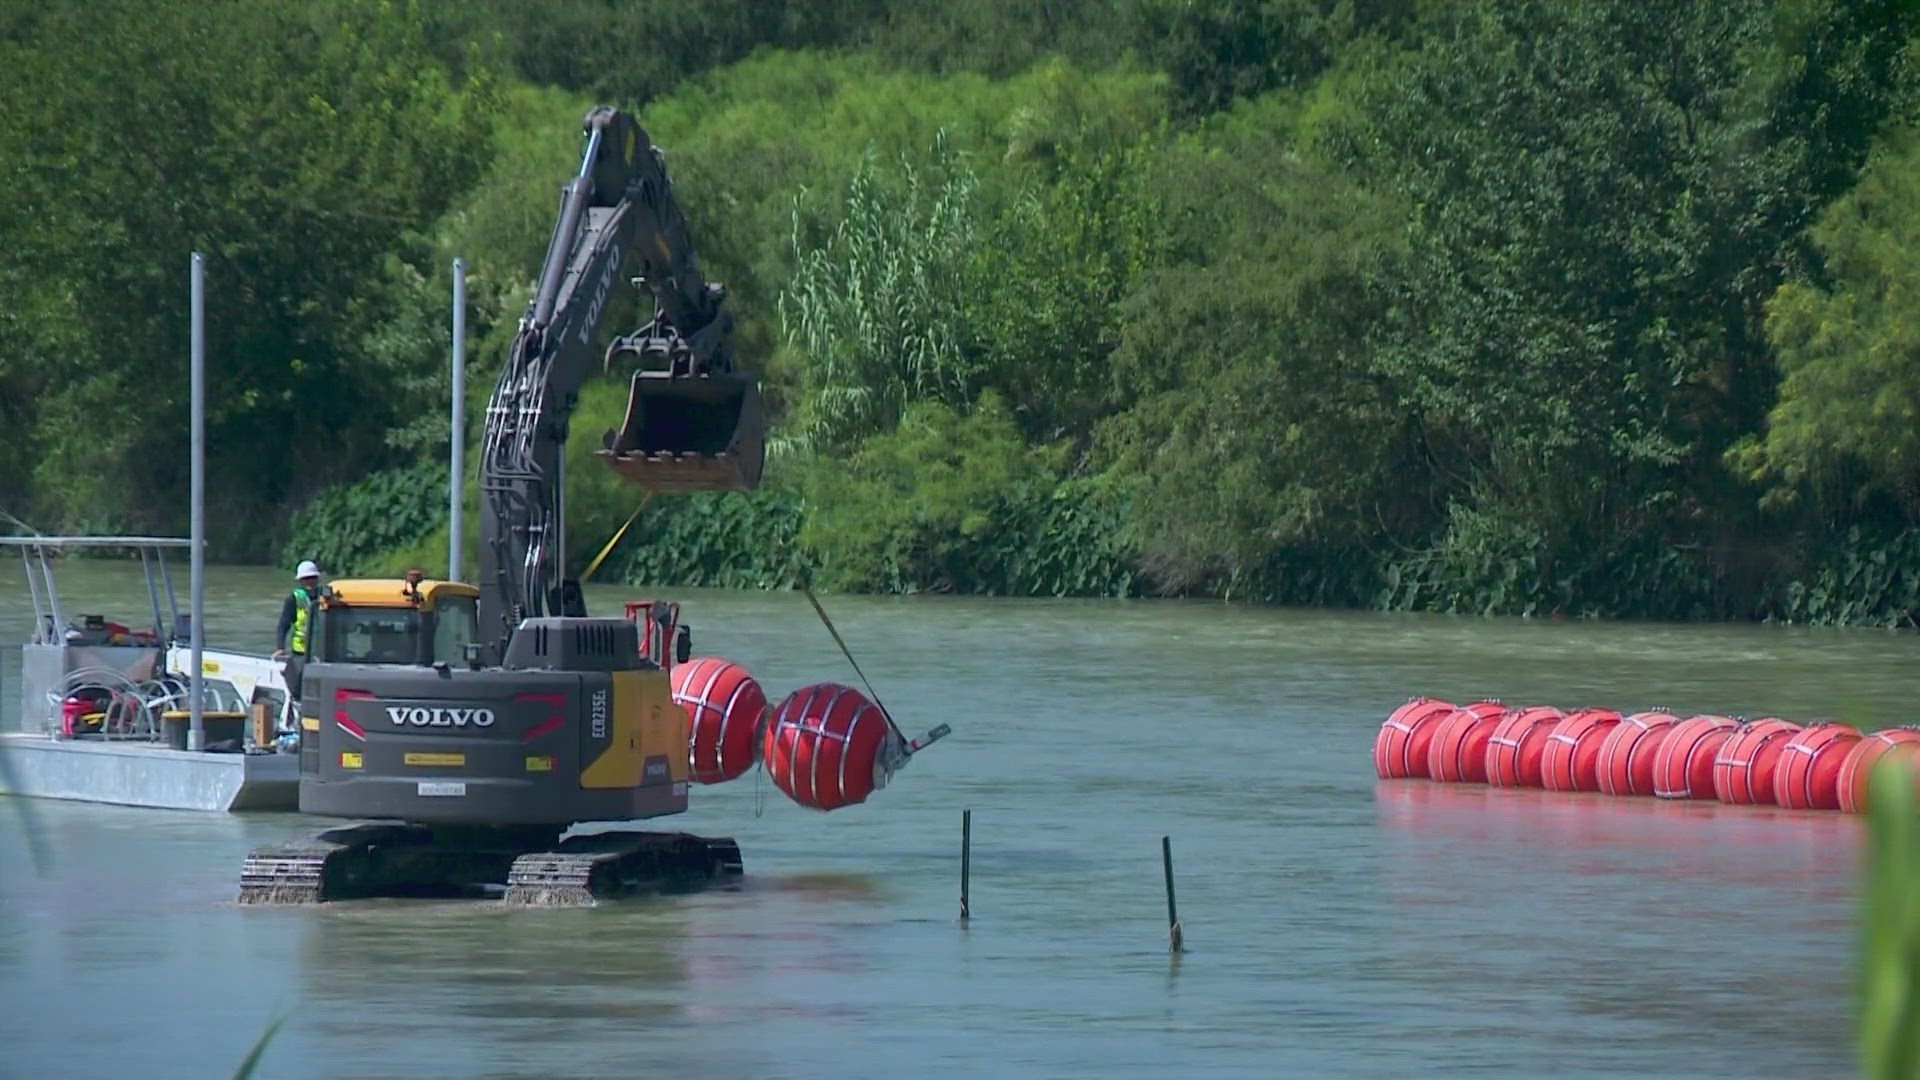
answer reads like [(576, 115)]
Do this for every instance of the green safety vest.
[(302, 616)]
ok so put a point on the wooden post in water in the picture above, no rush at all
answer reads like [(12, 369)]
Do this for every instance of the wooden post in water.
[(1173, 914), (966, 856)]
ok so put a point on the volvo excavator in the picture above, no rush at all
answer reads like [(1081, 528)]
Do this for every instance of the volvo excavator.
[(471, 726)]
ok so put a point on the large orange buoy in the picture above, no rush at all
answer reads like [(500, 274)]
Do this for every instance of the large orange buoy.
[(1459, 750), (1625, 765), (1743, 769), (1514, 748), (1851, 784), (829, 746), (1808, 775), (1571, 759), (1683, 768), (1401, 748), (726, 707)]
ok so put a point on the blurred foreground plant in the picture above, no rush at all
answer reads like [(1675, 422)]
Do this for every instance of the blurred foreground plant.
[(37, 851), (1890, 963), (252, 1060)]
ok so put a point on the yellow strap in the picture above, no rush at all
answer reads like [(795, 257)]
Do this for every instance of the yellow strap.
[(608, 550)]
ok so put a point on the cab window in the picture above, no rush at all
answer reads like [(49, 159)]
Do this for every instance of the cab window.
[(456, 623), (373, 636)]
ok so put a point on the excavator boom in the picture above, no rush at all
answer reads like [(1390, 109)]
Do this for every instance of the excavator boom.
[(693, 422)]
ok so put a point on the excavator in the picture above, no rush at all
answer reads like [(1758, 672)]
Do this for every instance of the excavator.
[(470, 727)]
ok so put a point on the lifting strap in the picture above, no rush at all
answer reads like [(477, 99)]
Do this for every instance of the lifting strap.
[(608, 550), (902, 746), (806, 589)]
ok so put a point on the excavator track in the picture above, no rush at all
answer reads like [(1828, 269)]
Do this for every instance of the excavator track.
[(307, 871), (586, 869), (385, 860)]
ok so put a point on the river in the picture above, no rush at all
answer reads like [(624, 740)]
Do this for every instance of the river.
[(1336, 925)]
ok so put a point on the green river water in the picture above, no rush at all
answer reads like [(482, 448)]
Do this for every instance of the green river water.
[(1336, 925)]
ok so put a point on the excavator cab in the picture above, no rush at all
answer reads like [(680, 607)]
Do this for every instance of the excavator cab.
[(393, 622), (686, 433)]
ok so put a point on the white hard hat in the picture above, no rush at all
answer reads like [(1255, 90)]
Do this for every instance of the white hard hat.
[(308, 569)]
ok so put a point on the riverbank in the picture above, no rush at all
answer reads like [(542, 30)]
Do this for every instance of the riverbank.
[(1072, 542), (1078, 538)]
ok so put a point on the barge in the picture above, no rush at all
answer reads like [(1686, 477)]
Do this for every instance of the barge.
[(105, 709)]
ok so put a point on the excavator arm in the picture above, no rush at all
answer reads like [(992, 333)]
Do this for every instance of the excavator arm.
[(693, 422)]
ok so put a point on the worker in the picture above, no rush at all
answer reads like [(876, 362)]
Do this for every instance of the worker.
[(292, 639)]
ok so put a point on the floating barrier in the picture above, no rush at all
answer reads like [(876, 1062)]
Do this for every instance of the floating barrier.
[(726, 711), (1626, 758), (1852, 782), (1571, 761), (1808, 775), (1402, 747), (829, 746), (1516, 746), (1768, 761), (1743, 769), (1684, 767), (1459, 751)]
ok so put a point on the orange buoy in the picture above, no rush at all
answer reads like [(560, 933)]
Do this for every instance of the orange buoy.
[(1459, 749), (1401, 748), (1743, 769), (1625, 765), (1808, 775), (1683, 768), (726, 708), (1851, 784), (829, 746), (1571, 759), (1514, 748)]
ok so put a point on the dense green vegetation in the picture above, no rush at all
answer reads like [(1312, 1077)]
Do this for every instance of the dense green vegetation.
[(1582, 307)]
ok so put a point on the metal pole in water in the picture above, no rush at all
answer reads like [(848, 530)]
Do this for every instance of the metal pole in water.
[(457, 472), (966, 855), (196, 729), (1173, 915)]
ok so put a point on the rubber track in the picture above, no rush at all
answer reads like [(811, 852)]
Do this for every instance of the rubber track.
[(296, 872), (587, 869), (358, 861)]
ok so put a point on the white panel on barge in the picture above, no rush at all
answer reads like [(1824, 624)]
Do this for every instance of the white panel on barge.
[(146, 774)]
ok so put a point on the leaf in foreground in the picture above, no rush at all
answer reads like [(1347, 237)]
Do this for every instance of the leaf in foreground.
[(259, 1047), (29, 826), (1890, 966)]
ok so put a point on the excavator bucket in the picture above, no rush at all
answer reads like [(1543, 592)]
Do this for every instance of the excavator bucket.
[(686, 433)]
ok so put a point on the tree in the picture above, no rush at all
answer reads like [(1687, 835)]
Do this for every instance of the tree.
[(1254, 416), (1603, 193), (297, 146), (1845, 431)]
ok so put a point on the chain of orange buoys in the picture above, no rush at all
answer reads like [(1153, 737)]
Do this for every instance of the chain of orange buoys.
[(1769, 761), (826, 745)]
